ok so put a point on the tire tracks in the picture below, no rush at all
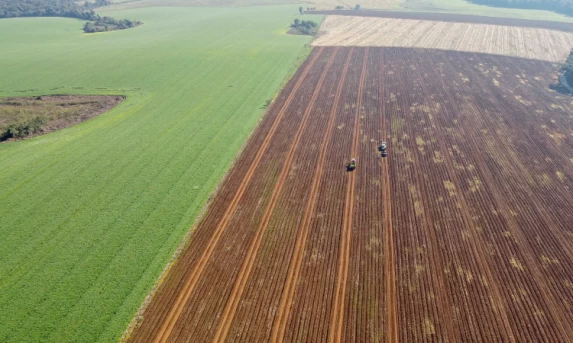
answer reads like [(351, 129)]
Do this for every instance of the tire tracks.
[(165, 329), (390, 254), (282, 317), (233, 301), (335, 334)]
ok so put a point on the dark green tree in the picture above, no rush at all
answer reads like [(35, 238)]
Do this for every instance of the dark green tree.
[(301, 10)]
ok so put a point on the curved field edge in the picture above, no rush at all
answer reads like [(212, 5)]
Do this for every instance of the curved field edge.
[(91, 214), (27, 117)]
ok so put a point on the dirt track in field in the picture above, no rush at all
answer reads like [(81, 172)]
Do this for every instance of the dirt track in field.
[(524, 42), (464, 233)]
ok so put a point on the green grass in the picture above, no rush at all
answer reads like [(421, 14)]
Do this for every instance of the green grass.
[(91, 214), (464, 7)]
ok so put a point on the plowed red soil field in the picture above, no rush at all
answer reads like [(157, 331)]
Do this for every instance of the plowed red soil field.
[(464, 233)]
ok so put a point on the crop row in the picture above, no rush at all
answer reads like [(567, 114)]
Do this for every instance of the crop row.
[(462, 233)]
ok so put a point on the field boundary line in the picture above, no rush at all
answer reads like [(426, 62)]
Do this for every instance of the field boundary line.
[(295, 264), (165, 330), (390, 260), (335, 334), (245, 272)]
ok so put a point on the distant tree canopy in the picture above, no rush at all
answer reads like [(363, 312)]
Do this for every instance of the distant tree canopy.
[(304, 27), (109, 24), (49, 8), (65, 8), (568, 69), (560, 6)]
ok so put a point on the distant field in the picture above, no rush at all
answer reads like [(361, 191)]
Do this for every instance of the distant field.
[(444, 6), (90, 215), (464, 7), (453, 18), (441, 6), (533, 43), (128, 4)]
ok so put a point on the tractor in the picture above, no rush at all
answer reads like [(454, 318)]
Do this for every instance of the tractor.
[(352, 165), (383, 149)]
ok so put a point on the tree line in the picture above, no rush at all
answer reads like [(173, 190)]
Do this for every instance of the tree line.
[(559, 6), (65, 8), (102, 24)]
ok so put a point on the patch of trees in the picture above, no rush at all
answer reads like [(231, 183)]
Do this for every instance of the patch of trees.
[(559, 6), (304, 27), (568, 69), (109, 24), (49, 8), (65, 8)]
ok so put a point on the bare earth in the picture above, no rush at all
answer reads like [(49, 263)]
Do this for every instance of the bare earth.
[(525, 42), (463, 233)]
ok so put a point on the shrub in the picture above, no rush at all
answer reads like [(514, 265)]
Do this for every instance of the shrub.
[(21, 130)]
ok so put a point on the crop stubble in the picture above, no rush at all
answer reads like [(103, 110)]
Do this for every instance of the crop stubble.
[(462, 234), (527, 42)]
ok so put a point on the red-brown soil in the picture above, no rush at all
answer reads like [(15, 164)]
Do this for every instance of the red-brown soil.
[(464, 233)]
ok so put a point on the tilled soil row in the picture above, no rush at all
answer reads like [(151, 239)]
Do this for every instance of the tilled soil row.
[(463, 233)]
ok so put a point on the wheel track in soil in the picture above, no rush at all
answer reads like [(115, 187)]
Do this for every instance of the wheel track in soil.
[(415, 306), (335, 334), (391, 295), (313, 300), (283, 311), (523, 243), (238, 288), (164, 331)]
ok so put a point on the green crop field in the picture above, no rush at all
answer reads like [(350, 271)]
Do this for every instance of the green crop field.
[(90, 215), (464, 7)]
